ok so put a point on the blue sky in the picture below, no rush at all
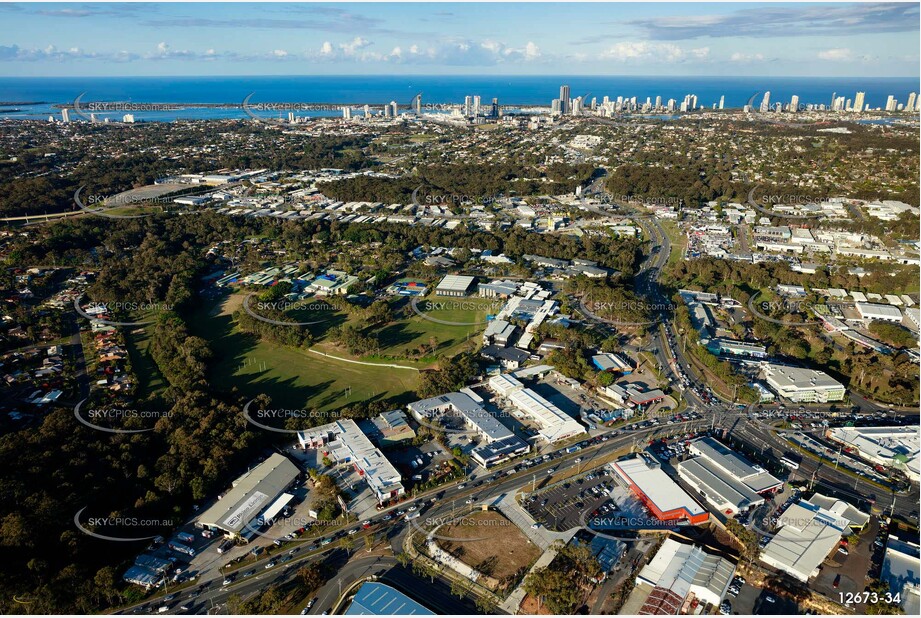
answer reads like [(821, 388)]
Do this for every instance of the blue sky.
[(775, 39)]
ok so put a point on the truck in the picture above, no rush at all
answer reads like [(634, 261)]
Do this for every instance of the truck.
[(225, 546), (182, 549), (185, 537), (573, 449)]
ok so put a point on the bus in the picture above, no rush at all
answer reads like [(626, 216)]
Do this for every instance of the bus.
[(793, 465)]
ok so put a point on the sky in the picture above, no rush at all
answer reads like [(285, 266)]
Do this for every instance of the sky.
[(649, 38)]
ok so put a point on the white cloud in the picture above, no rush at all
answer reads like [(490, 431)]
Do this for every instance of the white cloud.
[(701, 52), (628, 51), (356, 45), (835, 54), (457, 52), (531, 51), (279, 53), (741, 57)]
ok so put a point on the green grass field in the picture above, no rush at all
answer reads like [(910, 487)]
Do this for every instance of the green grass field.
[(416, 331), (150, 382), (293, 377)]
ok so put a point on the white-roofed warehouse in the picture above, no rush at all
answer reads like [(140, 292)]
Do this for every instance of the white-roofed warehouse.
[(250, 496)]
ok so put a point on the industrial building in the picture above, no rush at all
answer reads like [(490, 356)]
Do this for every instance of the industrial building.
[(854, 517), (662, 496), (508, 357), (332, 283), (870, 312), (554, 424), (612, 362), (726, 480), (391, 428), (147, 571), (895, 447), (901, 568), (678, 579), (376, 599), (257, 492), (455, 285), (808, 534), (802, 385), (717, 456), (499, 332), (498, 289), (725, 493), (345, 444), (633, 394), (732, 347), (500, 443)]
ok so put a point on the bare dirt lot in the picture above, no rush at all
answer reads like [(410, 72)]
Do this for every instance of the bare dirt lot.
[(490, 543)]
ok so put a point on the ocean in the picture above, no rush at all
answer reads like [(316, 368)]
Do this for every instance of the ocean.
[(511, 91)]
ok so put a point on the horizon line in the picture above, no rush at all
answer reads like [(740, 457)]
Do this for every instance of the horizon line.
[(464, 75)]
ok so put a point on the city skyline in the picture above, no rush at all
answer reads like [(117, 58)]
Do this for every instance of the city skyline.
[(656, 39)]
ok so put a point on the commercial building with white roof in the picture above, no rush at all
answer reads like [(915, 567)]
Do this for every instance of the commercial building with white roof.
[(455, 285), (251, 495), (870, 312), (808, 534), (665, 499), (727, 481), (901, 568), (555, 425), (680, 574), (856, 518), (802, 385), (500, 443), (720, 457), (346, 444)]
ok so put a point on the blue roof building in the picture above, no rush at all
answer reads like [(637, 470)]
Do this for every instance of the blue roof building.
[(376, 599)]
